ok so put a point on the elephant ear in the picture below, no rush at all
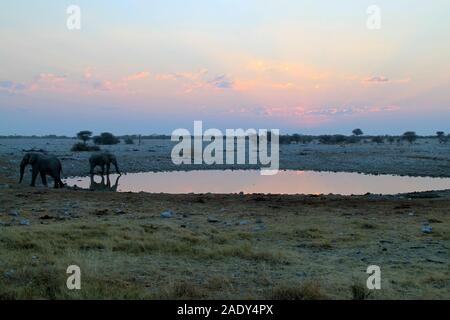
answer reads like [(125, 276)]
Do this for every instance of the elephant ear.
[(32, 158)]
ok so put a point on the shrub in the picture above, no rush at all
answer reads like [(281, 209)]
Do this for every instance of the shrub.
[(378, 139), (357, 132), (359, 291), (129, 140), (353, 139), (410, 136), (80, 147), (332, 139), (106, 138), (306, 291)]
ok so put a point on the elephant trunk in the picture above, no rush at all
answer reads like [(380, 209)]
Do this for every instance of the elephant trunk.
[(117, 167), (23, 164)]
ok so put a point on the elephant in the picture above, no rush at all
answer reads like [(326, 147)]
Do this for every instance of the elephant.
[(104, 185), (103, 159), (43, 165)]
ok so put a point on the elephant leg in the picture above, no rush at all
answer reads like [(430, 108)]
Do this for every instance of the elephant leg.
[(58, 181), (34, 174), (43, 178), (92, 169), (107, 168), (103, 170)]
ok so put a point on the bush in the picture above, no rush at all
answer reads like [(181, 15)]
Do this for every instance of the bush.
[(106, 138), (80, 147), (357, 132), (353, 139), (129, 140), (410, 136), (332, 139), (378, 139), (306, 291)]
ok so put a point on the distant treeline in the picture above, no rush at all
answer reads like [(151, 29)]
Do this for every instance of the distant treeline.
[(53, 136), (358, 136)]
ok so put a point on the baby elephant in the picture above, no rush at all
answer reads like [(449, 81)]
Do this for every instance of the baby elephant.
[(103, 159), (43, 165)]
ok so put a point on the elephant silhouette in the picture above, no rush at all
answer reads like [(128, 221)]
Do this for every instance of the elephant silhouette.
[(104, 185)]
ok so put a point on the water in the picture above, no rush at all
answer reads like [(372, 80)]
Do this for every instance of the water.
[(250, 181)]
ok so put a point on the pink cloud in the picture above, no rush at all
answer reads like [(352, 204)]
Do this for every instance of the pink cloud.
[(137, 76)]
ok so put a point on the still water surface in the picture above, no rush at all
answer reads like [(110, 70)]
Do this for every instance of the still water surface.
[(251, 181)]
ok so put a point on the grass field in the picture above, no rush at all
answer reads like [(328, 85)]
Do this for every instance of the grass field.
[(220, 246)]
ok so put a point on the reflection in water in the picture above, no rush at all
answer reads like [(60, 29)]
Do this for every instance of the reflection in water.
[(251, 181), (103, 185)]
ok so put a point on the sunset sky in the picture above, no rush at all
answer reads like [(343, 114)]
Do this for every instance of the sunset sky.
[(154, 66)]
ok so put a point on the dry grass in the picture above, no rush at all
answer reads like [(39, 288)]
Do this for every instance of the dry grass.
[(305, 291), (139, 255)]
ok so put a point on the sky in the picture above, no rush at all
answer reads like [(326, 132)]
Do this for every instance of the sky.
[(153, 66)]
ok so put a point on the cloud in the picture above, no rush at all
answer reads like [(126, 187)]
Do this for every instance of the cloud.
[(222, 82), (191, 81), (9, 86), (137, 76), (50, 78), (301, 113), (287, 69), (376, 79)]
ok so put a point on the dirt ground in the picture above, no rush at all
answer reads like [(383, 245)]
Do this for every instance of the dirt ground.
[(219, 246)]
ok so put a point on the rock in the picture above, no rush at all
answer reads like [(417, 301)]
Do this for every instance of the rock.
[(24, 222), (259, 228), (427, 229), (46, 217), (9, 274), (166, 214), (14, 213), (120, 211), (212, 219), (243, 222)]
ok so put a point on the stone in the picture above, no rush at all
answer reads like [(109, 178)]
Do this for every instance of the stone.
[(166, 214), (243, 222), (427, 229), (14, 213), (9, 274), (120, 211), (212, 219), (24, 222), (260, 227)]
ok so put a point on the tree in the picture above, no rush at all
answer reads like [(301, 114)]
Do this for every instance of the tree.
[(410, 136), (84, 135), (441, 136), (106, 138), (357, 132)]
